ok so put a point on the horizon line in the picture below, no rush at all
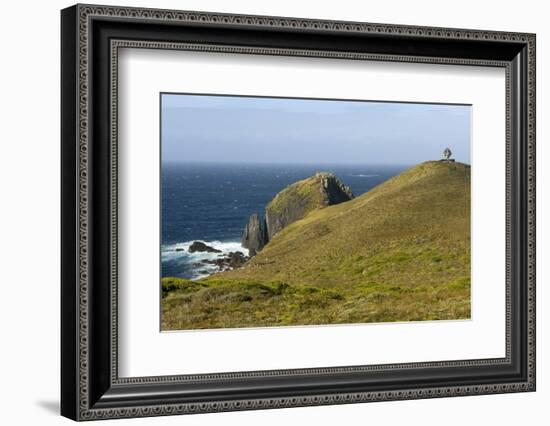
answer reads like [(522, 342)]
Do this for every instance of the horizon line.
[(267, 163)]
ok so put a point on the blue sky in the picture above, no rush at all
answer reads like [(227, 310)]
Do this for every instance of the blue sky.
[(231, 129)]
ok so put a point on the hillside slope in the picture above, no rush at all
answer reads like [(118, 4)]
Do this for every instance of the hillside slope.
[(399, 252), (291, 204), (297, 200)]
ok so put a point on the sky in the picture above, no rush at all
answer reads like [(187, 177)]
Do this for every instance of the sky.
[(235, 129)]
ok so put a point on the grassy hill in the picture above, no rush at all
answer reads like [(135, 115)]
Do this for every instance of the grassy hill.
[(399, 252), (302, 197)]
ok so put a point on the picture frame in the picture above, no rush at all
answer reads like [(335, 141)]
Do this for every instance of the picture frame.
[(91, 37)]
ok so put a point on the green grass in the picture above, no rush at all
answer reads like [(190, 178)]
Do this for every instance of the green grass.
[(229, 304), (400, 252)]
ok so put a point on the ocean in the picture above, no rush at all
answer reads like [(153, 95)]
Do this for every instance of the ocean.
[(211, 203)]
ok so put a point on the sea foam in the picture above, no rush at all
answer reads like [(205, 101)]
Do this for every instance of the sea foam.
[(191, 263)]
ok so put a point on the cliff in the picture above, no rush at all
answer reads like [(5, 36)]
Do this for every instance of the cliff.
[(300, 198), (255, 235), (291, 204)]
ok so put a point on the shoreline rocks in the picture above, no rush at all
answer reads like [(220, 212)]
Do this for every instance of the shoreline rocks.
[(232, 260), (199, 246)]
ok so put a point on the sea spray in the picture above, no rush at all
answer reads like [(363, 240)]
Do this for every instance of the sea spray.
[(179, 262)]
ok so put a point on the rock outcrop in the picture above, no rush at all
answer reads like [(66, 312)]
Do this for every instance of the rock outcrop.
[(295, 201), (199, 246), (255, 234), (334, 191), (232, 260), (291, 204)]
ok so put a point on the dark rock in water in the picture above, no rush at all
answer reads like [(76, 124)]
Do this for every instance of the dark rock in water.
[(201, 247), (179, 249), (254, 235)]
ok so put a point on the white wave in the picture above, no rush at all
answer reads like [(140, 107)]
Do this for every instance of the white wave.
[(365, 176), (180, 251), (224, 246)]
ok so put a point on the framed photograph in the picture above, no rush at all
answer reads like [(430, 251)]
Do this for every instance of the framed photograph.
[(263, 212)]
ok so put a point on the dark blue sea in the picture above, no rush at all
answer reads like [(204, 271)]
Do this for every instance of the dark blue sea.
[(212, 203)]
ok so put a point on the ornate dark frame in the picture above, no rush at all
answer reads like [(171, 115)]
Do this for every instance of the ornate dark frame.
[(91, 37)]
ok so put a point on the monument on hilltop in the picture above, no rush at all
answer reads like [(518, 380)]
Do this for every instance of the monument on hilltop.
[(447, 155)]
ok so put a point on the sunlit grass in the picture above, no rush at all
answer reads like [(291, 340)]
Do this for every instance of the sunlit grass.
[(400, 252)]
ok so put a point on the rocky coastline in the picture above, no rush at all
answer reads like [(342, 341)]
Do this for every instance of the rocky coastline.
[(289, 205), (222, 262), (292, 204)]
